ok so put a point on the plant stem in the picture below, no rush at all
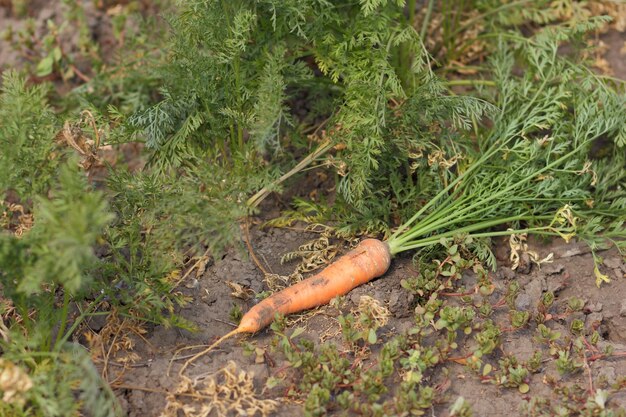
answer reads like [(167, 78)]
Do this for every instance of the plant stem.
[(497, 146), (65, 337), (64, 313), (402, 239), (451, 68), (471, 82), (473, 20), (443, 194), (412, 4), (240, 104), (426, 21), (403, 53), (432, 240), (256, 199)]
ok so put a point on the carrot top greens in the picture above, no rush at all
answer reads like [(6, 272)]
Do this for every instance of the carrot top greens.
[(534, 171)]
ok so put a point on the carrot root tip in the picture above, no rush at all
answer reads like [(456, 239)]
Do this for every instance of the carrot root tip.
[(209, 349)]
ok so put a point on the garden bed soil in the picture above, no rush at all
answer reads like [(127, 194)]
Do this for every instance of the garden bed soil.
[(570, 275)]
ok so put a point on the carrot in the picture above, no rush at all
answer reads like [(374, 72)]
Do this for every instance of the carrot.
[(370, 259)]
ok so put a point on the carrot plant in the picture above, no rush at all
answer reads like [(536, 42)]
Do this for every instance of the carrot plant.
[(532, 172), (253, 78), (51, 222), (534, 169)]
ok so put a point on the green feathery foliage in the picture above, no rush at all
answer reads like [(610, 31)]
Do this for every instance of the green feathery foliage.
[(27, 126), (64, 383), (45, 268), (159, 217), (241, 86), (534, 168), (227, 78), (236, 69)]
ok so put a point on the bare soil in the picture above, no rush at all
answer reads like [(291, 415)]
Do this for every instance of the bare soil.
[(95, 17), (571, 275)]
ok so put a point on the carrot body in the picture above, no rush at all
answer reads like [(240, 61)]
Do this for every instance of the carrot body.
[(370, 259)]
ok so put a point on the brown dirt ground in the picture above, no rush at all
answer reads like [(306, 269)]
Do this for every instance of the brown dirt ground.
[(146, 382), (98, 18), (571, 274)]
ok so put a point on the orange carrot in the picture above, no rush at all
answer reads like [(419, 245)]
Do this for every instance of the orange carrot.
[(370, 259)]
